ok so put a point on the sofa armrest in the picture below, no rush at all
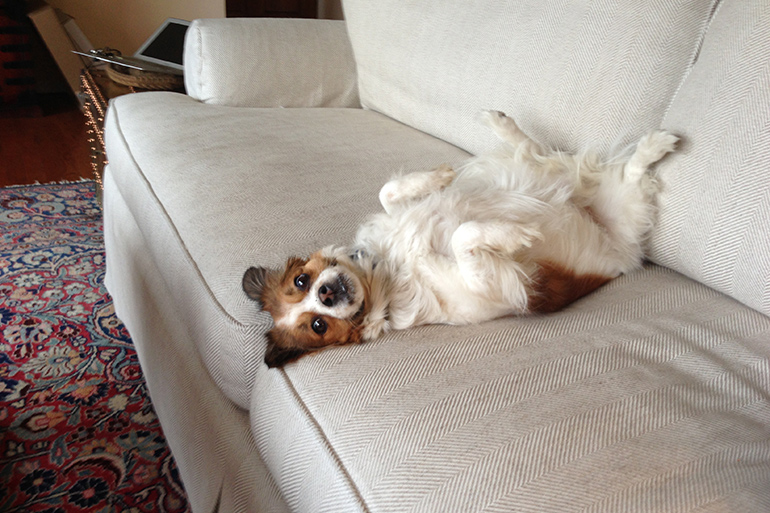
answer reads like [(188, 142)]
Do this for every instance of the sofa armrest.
[(263, 62)]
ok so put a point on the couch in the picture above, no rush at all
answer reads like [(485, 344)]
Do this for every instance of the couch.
[(651, 394)]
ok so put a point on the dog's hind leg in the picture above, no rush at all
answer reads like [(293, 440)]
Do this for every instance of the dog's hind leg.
[(650, 149), (508, 131), (624, 199), (485, 252), (414, 186)]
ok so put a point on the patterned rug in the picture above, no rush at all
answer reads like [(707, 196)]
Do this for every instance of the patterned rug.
[(77, 429)]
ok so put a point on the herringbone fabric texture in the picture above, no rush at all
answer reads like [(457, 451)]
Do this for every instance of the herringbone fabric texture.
[(335, 160), (655, 387), (208, 434), (715, 204), (266, 62), (573, 73), (647, 396)]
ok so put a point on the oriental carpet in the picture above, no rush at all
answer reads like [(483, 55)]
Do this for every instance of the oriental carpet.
[(77, 428)]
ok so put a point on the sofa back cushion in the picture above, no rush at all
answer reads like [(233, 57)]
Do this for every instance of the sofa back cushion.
[(573, 73), (270, 62), (714, 219), (578, 73)]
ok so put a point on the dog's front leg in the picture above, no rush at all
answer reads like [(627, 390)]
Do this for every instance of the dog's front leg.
[(485, 254), (414, 186)]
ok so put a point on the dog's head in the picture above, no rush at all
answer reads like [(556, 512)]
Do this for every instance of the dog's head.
[(314, 302)]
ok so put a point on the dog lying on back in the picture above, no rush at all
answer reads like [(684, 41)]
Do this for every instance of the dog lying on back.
[(518, 231)]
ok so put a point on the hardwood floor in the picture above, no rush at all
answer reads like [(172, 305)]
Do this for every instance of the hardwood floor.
[(48, 148)]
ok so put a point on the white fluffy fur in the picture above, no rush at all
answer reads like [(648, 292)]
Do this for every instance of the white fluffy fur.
[(463, 247), (474, 245)]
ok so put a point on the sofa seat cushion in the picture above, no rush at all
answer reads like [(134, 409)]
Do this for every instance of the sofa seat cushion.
[(648, 395), (217, 189)]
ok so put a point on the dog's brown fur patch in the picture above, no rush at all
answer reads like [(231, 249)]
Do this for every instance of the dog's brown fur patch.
[(555, 287), (288, 344), (273, 289)]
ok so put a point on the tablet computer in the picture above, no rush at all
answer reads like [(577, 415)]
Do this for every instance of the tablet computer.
[(162, 52)]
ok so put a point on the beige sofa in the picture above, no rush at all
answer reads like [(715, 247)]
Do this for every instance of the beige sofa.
[(650, 395)]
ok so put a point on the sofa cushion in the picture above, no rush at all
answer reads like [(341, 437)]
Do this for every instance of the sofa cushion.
[(217, 189), (190, 406), (715, 206), (270, 62), (573, 73), (648, 395)]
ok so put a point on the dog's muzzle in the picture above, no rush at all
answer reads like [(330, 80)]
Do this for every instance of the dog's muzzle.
[(336, 291)]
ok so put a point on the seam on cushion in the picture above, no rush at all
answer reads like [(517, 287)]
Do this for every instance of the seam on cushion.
[(326, 443), (715, 7), (199, 51), (201, 60), (178, 236)]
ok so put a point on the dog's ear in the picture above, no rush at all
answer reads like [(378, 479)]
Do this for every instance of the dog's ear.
[(254, 281), (278, 353), (278, 357)]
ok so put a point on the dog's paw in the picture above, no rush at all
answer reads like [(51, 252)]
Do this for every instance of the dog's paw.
[(491, 117), (499, 122), (374, 325), (501, 238), (415, 186), (655, 145), (443, 176), (528, 234), (650, 149), (503, 126)]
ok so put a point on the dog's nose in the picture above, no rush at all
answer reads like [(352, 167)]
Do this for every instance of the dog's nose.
[(326, 295)]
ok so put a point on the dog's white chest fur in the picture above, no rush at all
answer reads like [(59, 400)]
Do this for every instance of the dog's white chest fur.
[(414, 244), (489, 240)]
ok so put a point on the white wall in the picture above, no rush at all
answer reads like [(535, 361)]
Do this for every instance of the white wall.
[(125, 25)]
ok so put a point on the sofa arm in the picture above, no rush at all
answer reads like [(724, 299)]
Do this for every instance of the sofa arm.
[(263, 62)]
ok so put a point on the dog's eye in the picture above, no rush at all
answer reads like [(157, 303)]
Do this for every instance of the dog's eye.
[(302, 281), (319, 325)]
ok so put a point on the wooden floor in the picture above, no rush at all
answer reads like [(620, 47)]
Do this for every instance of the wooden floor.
[(47, 148)]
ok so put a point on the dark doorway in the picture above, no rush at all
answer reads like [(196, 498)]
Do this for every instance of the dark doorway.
[(272, 8)]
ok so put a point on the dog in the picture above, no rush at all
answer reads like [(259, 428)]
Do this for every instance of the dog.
[(520, 230)]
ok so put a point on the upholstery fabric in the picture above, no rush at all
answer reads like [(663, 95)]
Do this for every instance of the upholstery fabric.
[(649, 395), (263, 62), (573, 73), (655, 386), (715, 205), (222, 211), (208, 434)]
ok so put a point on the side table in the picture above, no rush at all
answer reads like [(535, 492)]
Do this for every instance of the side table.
[(96, 90)]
